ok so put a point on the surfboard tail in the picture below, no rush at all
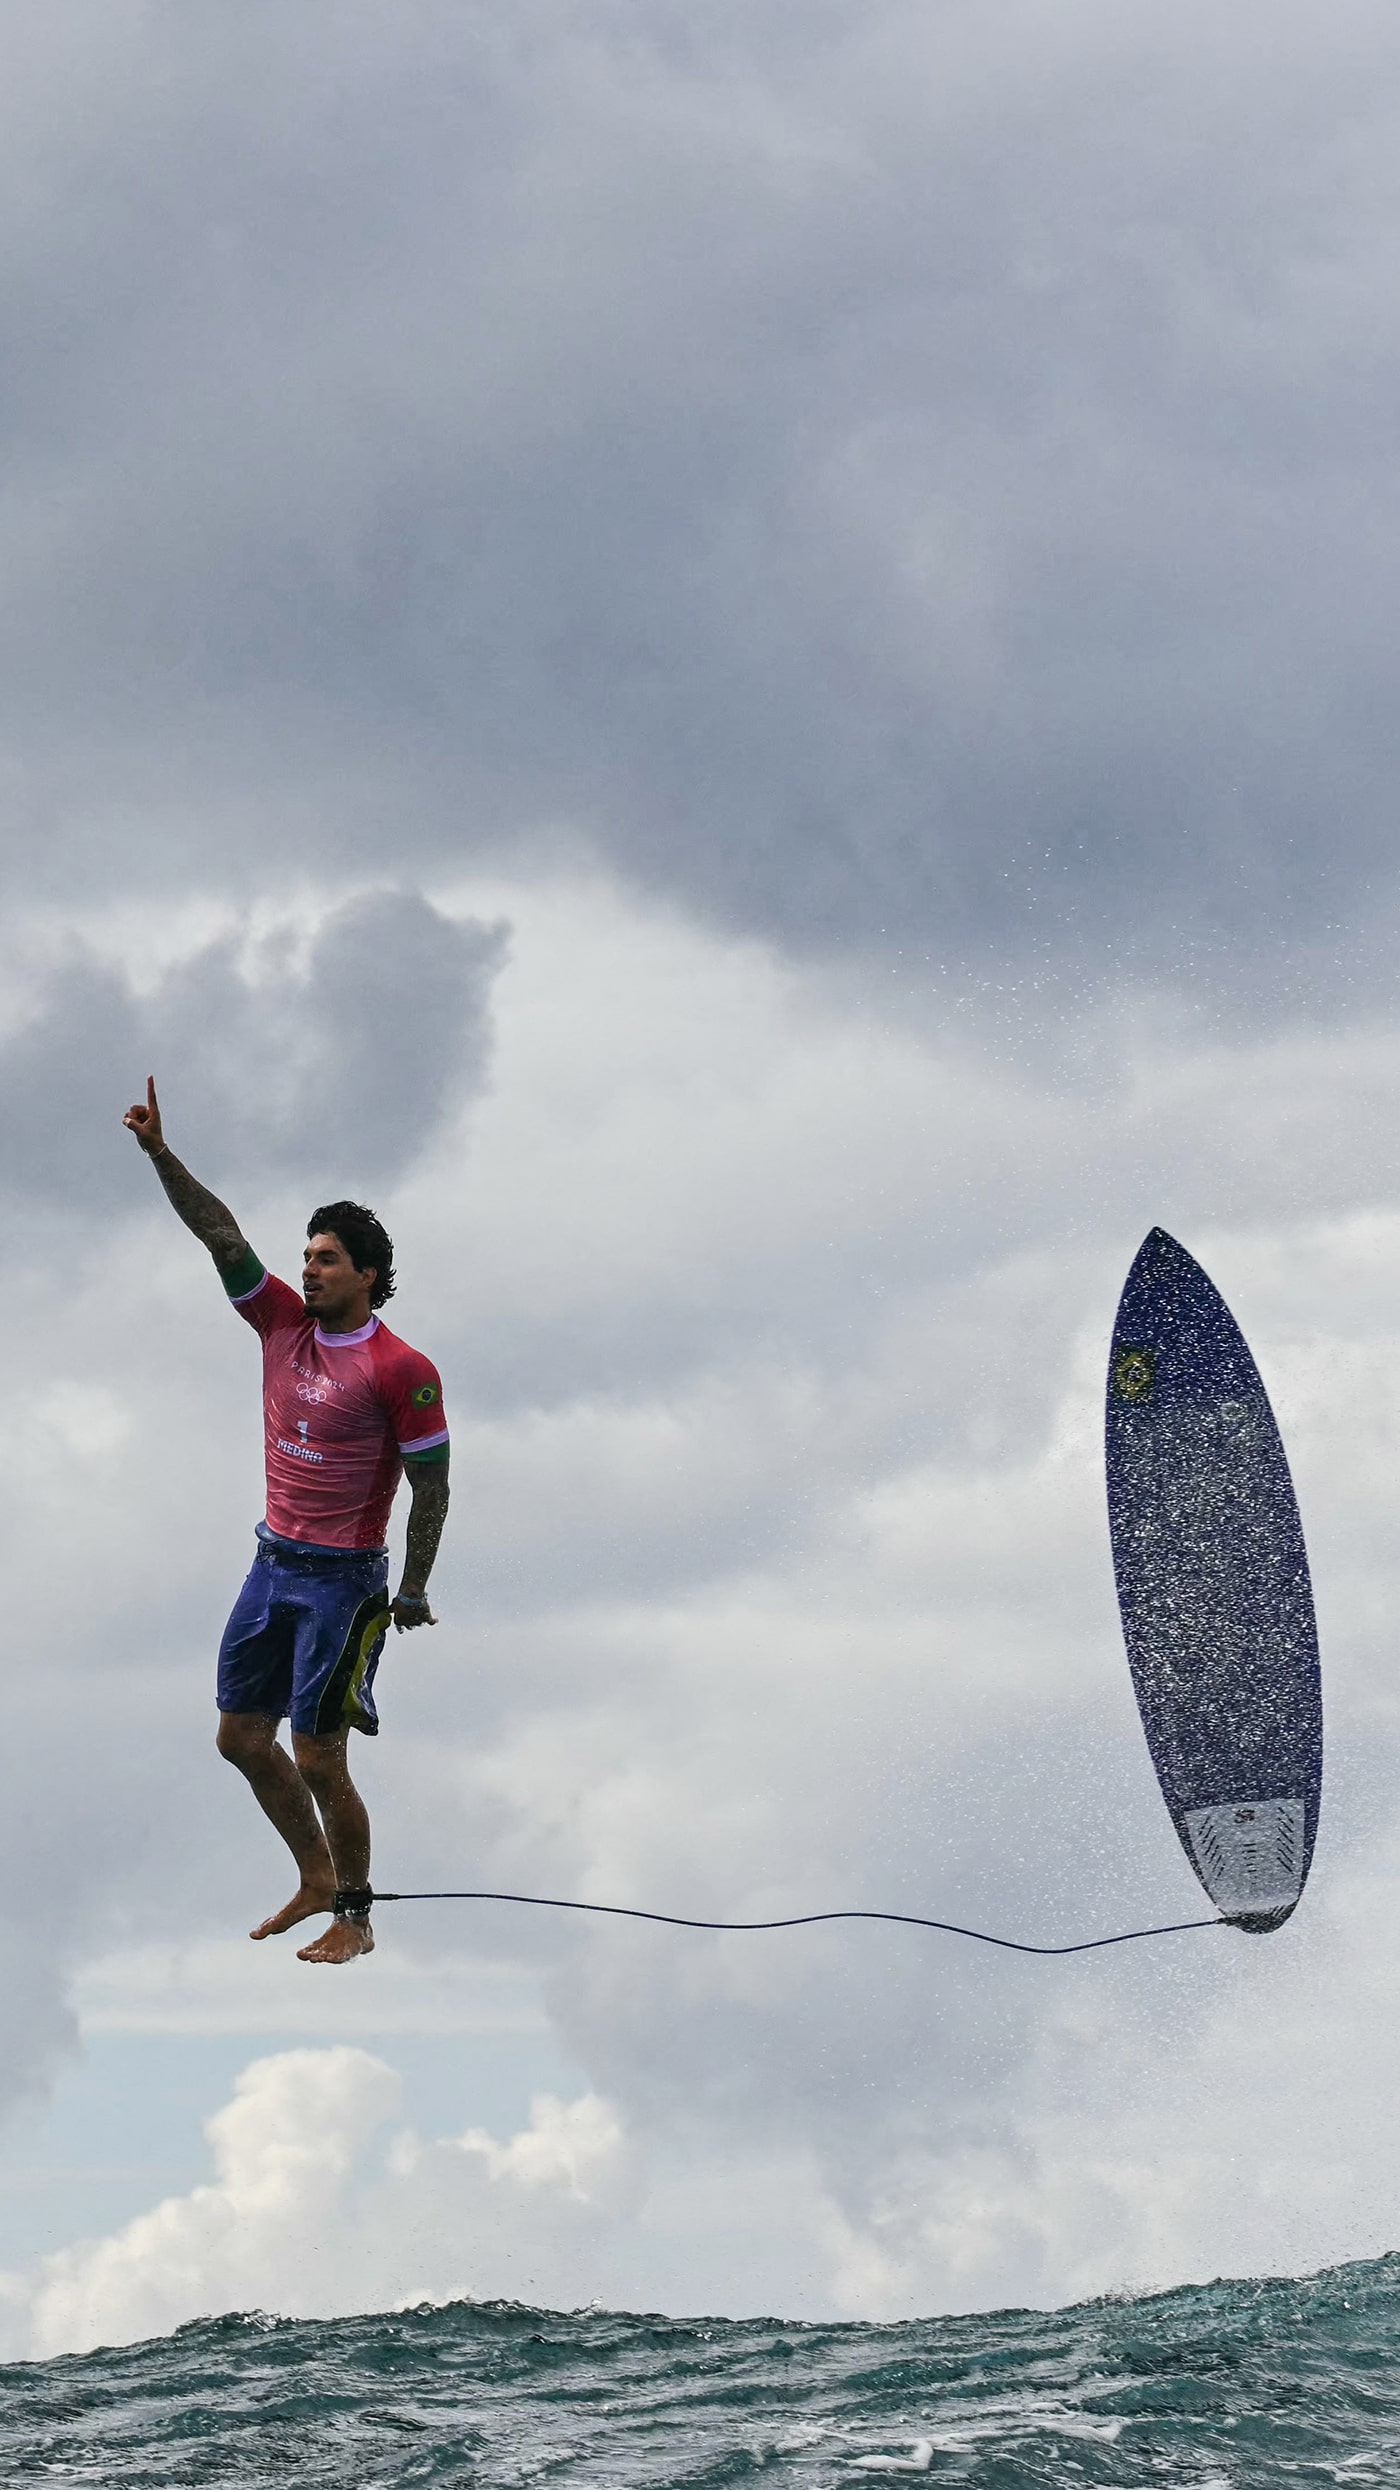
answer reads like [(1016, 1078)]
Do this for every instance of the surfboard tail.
[(1251, 1859)]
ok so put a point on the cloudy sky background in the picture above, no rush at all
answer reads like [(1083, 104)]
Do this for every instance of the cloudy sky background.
[(742, 660)]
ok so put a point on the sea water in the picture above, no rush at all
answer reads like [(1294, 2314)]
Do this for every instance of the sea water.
[(1231, 2386)]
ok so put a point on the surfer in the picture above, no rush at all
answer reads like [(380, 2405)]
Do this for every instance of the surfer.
[(348, 1409)]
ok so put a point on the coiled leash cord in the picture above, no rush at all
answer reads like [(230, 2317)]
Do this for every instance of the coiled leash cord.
[(357, 1905)]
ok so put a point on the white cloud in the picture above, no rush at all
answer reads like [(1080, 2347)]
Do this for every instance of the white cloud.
[(777, 1580), (305, 2215), (577, 2146), (284, 2149), (1138, 2137)]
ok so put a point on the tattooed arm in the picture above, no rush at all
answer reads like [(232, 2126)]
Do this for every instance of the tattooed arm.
[(202, 1212), (428, 1482)]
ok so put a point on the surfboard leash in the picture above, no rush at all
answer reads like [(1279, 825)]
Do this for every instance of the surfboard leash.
[(806, 1919)]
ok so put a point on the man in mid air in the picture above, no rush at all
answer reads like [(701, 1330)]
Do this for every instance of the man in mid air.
[(347, 1409)]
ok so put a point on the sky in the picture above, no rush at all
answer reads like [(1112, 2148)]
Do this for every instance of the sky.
[(738, 659)]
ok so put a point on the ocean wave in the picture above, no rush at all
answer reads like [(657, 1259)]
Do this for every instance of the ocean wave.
[(1226, 2386)]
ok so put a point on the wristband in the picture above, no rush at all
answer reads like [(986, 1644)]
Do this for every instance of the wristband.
[(410, 1599)]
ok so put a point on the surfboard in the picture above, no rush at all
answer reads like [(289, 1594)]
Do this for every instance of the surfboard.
[(1213, 1588)]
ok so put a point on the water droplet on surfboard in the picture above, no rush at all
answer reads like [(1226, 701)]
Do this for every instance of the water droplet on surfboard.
[(1213, 1588)]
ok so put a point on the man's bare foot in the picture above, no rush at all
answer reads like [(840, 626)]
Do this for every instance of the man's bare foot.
[(343, 1940), (306, 1902)]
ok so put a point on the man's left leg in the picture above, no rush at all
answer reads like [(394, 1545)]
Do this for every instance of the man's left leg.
[(325, 1768)]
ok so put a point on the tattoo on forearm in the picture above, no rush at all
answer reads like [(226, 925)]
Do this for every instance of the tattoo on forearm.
[(427, 1514), (202, 1212)]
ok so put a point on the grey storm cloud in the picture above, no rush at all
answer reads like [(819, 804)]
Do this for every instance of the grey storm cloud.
[(874, 475), (337, 1065), (880, 475)]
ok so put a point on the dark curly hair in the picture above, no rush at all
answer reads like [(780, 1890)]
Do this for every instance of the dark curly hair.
[(365, 1239)]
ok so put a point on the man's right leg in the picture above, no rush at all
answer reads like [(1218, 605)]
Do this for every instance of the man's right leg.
[(249, 1740)]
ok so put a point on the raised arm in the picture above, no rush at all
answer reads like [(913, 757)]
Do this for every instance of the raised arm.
[(202, 1212)]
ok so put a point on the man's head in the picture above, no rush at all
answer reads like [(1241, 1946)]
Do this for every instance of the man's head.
[(348, 1266)]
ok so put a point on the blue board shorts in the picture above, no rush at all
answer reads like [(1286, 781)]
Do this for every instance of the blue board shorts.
[(305, 1636)]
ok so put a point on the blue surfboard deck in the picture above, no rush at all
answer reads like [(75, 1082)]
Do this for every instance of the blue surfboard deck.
[(1213, 1588)]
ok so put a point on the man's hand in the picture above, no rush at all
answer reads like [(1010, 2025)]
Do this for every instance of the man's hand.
[(145, 1121), (411, 1609), (202, 1212)]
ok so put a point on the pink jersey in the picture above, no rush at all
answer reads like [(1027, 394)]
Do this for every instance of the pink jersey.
[(342, 1411)]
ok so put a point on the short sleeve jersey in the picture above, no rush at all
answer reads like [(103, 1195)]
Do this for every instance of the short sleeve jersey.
[(342, 1411)]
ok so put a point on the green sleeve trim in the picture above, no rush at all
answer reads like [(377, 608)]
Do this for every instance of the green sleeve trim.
[(242, 1277), (428, 1460)]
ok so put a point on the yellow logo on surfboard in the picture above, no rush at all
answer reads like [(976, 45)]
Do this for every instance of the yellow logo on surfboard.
[(1134, 1373)]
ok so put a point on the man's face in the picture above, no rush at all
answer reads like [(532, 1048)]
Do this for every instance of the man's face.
[(331, 1285)]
